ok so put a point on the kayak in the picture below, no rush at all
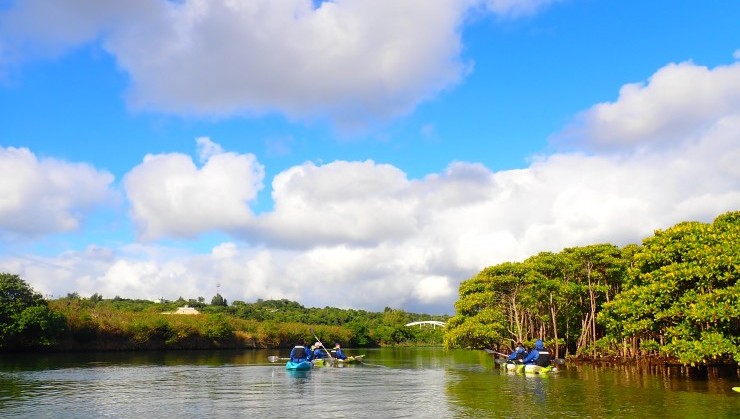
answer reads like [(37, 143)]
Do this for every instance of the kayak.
[(336, 362), (529, 368), (298, 366), (509, 366), (319, 362), (536, 369), (736, 389)]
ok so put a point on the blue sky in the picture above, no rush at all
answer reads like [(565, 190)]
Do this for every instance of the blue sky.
[(385, 149)]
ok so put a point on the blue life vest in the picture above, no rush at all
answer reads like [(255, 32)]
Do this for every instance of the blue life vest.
[(298, 354)]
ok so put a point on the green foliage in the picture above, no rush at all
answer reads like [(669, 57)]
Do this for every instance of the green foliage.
[(25, 320), (218, 300), (367, 328), (218, 328), (360, 333), (15, 296), (707, 348), (677, 295), (94, 323), (685, 292), (38, 326), (485, 330)]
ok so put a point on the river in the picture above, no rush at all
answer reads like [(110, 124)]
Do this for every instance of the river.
[(392, 383)]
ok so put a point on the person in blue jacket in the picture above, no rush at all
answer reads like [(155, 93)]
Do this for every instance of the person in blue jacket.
[(519, 352), (299, 353), (309, 353), (319, 352), (537, 356), (338, 351)]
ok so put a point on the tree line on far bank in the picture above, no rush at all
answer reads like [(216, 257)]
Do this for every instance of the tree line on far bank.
[(28, 321), (676, 296)]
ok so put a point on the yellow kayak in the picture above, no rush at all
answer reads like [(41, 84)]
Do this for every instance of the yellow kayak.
[(336, 362)]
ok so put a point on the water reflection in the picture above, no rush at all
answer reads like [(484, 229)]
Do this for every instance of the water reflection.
[(396, 383), (658, 377)]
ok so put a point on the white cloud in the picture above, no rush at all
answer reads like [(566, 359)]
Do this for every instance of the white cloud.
[(170, 196), (264, 56), (340, 202), (431, 288), (385, 240), (44, 196), (350, 61), (38, 28), (679, 102)]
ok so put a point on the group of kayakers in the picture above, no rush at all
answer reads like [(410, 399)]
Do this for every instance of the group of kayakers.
[(537, 356), (300, 353)]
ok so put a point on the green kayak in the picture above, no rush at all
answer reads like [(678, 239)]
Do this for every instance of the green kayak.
[(529, 368)]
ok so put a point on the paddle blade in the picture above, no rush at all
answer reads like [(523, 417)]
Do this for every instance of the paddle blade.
[(736, 389), (273, 358)]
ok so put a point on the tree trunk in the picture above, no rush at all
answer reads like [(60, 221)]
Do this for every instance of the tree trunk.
[(553, 313), (592, 303)]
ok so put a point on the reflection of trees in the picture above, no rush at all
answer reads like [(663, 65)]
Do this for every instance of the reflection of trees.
[(587, 390)]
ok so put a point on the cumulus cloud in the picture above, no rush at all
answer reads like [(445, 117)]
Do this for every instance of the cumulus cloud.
[(382, 238), (388, 240), (340, 202), (264, 56), (677, 104), (350, 61), (44, 196), (171, 196), (32, 29), (434, 231)]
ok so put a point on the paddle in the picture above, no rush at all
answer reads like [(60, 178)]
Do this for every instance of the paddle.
[(331, 358), (736, 389), (374, 365), (274, 358), (495, 353), (497, 361)]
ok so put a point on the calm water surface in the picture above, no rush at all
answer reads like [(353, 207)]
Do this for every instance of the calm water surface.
[(393, 383)]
